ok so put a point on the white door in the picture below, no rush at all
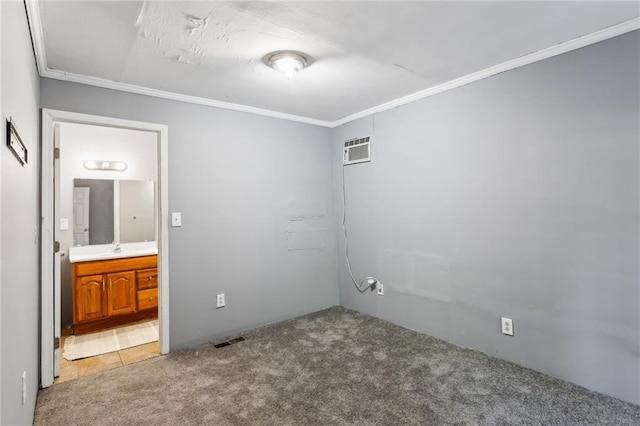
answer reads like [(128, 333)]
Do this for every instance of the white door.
[(80, 216), (56, 253)]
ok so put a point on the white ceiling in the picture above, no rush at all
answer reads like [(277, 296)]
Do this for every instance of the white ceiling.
[(365, 54)]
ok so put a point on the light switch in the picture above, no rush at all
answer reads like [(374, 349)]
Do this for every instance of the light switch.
[(64, 224), (176, 219)]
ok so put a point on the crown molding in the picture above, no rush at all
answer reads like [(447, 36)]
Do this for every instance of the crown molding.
[(33, 13), (37, 37), (140, 90), (558, 49)]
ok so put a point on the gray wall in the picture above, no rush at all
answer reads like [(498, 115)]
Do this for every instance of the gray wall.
[(19, 277), (257, 210), (100, 210), (515, 196)]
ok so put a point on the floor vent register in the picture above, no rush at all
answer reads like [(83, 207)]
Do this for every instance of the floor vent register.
[(229, 342)]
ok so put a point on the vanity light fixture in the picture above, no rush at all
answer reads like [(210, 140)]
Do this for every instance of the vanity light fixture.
[(113, 166), (287, 61)]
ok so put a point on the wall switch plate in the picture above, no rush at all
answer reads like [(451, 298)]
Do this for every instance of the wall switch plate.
[(507, 326), (380, 288), (176, 219), (220, 301), (64, 224)]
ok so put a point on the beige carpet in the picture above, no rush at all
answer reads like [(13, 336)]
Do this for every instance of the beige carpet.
[(334, 367), (87, 345)]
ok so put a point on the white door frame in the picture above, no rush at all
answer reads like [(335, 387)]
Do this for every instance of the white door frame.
[(49, 118)]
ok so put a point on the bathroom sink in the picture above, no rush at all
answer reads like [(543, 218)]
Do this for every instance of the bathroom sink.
[(112, 251)]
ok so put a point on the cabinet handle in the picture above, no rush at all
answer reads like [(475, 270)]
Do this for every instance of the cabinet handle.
[(110, 284), (103, 284)]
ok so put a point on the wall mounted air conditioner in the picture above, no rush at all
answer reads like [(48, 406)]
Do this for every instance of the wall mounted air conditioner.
[(356, 151)]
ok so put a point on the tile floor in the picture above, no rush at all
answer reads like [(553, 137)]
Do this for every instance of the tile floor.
[(70, 370)]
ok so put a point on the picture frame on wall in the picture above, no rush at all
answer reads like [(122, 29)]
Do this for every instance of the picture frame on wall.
[(15, 144)]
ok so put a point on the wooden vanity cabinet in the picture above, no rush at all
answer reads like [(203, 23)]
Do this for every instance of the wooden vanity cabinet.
[(108, 293)]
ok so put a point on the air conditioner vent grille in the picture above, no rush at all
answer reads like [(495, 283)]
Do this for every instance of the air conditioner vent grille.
[(357, 150), (356, 141)]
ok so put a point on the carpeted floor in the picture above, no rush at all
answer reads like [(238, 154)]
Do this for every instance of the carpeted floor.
[(331, 367)]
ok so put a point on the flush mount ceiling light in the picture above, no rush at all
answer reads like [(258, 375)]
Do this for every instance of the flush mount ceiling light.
[(287, 61), (113, 166)]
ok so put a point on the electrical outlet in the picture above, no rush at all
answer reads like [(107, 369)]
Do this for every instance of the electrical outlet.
[(24, 387), (380, 288), (371, 282), (220, 301), (507, 326)]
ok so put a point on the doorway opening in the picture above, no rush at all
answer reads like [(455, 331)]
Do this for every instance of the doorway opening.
[(104, 242)]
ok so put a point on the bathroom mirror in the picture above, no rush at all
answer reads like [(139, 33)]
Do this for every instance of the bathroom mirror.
[(108, 210)]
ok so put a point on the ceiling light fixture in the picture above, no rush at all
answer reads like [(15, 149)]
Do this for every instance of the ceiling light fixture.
[(114, 166), (287, 61)]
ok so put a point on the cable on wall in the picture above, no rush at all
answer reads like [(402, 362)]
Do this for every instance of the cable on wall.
[(369, 281)]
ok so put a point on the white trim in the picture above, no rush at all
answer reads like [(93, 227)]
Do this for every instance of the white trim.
[(540, 55), (35, 24), (131, 88), (163, 248), (1, 154), (567, 46), (46, 247), (57, 257), (49, 118)]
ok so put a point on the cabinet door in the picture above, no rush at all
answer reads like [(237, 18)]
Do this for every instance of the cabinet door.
[(90, 298), (122, 293)]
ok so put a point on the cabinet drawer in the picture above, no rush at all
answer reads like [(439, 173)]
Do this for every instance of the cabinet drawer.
[(147, 278), (147, 298), (115, 265)]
